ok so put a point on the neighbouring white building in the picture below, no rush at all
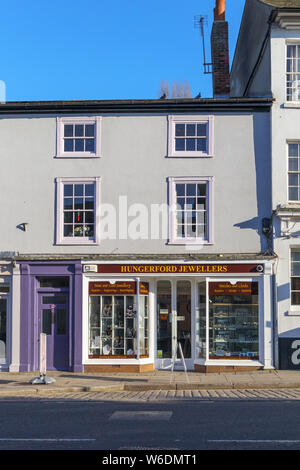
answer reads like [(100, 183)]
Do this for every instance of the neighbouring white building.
[(267, 64)]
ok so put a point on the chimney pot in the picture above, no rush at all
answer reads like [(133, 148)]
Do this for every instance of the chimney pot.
[(219, 11)]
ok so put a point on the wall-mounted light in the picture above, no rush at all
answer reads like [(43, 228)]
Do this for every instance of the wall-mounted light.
[(24, 226)]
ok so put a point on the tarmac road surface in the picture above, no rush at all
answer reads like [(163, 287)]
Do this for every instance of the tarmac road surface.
[(196, 421)]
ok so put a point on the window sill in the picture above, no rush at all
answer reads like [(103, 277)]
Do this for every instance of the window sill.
[(77, 155), (76, 243), (291, 104), (189, 242), (293, 313), (189, 155)]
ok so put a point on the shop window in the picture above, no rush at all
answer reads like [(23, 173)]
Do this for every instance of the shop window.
[(233, 320), (190, 210), (77, 211), (78, 137), (295, 277), (184, 317), (113, 323), (164, 323), (190, 136), (4, 289), (201, 321)]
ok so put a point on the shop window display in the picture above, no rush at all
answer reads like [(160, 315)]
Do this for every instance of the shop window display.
[(233, 320), (113, 326)]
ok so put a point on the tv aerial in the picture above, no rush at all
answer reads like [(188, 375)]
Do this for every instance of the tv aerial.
[(199, 22)]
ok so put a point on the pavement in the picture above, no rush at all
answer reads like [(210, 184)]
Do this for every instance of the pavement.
[(12, 383)]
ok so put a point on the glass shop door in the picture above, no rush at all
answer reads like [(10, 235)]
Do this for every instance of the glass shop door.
[(173, 323)]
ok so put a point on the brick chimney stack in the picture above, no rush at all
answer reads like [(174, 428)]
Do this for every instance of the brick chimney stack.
[(220, 52)]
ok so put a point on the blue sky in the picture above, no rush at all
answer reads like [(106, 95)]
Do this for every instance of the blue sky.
[(99, 49)]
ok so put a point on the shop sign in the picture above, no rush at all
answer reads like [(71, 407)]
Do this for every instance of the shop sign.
[(118, 288), (239, 288), (289, 353), (164, 313), (178, 268)]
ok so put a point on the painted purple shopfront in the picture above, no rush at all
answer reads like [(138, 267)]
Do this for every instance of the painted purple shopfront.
[(51, 303)]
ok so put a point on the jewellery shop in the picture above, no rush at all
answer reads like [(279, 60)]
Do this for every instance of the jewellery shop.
[(208, 317)]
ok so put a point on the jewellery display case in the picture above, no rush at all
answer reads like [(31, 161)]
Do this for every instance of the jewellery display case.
[(113, 326), (233, 328)]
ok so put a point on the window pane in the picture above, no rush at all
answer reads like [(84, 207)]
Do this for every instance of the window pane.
[(190, 144), (201, 203), (89, 217), (293, 164), (180, 203), (191, 231), (201, 145), (295, 298), (68, 190), (68, 230), (79, 130), (201, 130), (191, 189), (295, 255), (296, 269), (78, 203), (78, 190), (89, 190), (89, 231), (180, 231), (79, 145), (179, 144), (68, 130), (89, 203), (180, 130), (78, 231), (68, 203), (293, 179), (78, 217), (57, 299), (191, 129), (54, 282), (190, 203), (201, 189), (293, 150), (291, 51), (89, 130), (180, 189), (68, 217), (61, 322), (90, 145), (296, 283), (69, 145), (293, 194)]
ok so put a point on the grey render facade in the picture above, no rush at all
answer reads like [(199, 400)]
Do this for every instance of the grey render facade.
[(136, 229), (270, 32)]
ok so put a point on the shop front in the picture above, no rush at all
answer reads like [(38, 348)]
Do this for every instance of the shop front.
[(140, 317)]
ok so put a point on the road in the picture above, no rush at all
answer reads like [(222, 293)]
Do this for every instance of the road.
[(148, 420)]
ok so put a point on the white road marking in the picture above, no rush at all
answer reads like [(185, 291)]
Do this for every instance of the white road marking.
[(251, 441), (44, 440), (142, 415)]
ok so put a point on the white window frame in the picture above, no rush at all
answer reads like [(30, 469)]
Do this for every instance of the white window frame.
[(173, 120), (173, 239), (60, 239), (61, 121)]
